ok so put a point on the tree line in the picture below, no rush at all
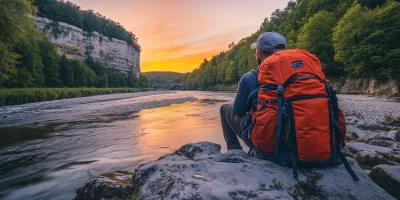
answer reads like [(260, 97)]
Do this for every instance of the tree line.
[(28, 59), (357, 38), (88, 20), (165, 77)]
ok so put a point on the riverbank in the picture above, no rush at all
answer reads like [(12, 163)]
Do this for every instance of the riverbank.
[(31, 95)]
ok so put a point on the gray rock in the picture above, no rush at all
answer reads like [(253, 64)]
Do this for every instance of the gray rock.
[(370, 155), (382, 143), (369, 135), (197, 171), (395, 134), (388, 177), (117, 185)]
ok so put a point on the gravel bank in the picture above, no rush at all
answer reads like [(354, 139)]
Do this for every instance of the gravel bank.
[(368, 110)]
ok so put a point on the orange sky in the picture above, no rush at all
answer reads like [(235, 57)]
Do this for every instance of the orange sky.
[(176, 35)]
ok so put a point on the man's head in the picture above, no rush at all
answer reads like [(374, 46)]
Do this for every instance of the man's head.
[(267, 44)]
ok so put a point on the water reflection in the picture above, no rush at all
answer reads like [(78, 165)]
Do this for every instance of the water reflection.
[(164, 130)]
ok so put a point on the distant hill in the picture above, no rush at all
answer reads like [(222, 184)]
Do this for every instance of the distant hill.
[(165, 77)]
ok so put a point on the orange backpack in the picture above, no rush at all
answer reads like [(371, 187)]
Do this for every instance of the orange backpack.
[(298, 122)]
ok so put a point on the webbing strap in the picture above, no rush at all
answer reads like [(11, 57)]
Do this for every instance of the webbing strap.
[(262, 102), (269, 87), (346, 164), (294, 165), (279, 123)]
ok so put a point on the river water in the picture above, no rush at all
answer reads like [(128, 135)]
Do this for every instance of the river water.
[(50, 149)]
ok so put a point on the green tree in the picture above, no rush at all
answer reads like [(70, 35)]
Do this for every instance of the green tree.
[(80, 71), (30, 66), (66, 72), (132, 81), (316, 36), (96, 66), (16, 24), (365, 40), (371, 3), (50, 61), (102, 82), (144, 82)]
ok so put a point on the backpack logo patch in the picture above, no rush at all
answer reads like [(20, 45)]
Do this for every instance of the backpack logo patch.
[(297, 64)]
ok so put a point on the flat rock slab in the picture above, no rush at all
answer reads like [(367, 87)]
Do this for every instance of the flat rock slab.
[(360, 146), (388, 177), (370, 155), (201, 171)]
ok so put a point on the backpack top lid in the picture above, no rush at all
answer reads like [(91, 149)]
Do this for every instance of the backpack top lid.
[(282, 65)]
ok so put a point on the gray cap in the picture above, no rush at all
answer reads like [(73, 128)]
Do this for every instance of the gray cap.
[(270, 42)]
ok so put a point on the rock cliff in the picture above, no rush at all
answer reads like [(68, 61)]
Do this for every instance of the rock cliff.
[(78, 44), (366, 86)]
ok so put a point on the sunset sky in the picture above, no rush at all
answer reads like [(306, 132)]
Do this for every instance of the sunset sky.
[(176, 35)]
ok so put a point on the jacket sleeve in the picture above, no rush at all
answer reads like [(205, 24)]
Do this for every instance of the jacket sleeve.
[(241, 106)]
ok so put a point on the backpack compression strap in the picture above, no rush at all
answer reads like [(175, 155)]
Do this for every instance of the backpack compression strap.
[(337, 130), (279, 123)]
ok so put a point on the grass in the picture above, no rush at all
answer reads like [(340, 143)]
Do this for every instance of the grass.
[(31, 95)]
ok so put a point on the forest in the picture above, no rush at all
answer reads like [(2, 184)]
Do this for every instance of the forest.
[(356, 38), (28, 59), (165, 77)]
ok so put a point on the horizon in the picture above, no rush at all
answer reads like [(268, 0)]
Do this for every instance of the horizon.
[(168, 44)]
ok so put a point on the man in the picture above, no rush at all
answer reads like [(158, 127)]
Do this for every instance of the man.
[(236, 120)]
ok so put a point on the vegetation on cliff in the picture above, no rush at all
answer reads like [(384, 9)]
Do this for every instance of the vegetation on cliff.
[(351, 38), (28, 59)]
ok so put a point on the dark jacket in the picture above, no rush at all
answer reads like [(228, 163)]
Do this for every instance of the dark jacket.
[(245, 100), (246, 97)]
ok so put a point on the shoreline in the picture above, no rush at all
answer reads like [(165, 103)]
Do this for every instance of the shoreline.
[(19, 96)]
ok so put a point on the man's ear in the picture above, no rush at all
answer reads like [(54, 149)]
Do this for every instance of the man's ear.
[(259, 53)]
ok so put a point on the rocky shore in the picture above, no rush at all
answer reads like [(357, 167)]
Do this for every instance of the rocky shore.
[(201, 171)]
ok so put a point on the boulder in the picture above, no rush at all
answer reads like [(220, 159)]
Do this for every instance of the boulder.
[(371, 155), (112, 186), (382, 143), (201, 171), (367, 136), (388, 177)]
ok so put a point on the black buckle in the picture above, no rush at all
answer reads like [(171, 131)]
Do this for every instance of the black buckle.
[(280, 90), (329, 88)]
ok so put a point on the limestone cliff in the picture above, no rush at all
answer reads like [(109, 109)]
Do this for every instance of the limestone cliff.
[(78, 44), (366, 86)]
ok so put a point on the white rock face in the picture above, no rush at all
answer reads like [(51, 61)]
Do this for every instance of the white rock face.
[(201, 171), (77, 44)]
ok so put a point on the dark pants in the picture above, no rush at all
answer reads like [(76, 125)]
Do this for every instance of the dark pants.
[(232, 127)]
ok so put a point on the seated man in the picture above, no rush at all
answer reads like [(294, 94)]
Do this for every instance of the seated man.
[(236, 119)]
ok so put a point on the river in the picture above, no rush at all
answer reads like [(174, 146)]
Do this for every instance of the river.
[(50, 149)]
